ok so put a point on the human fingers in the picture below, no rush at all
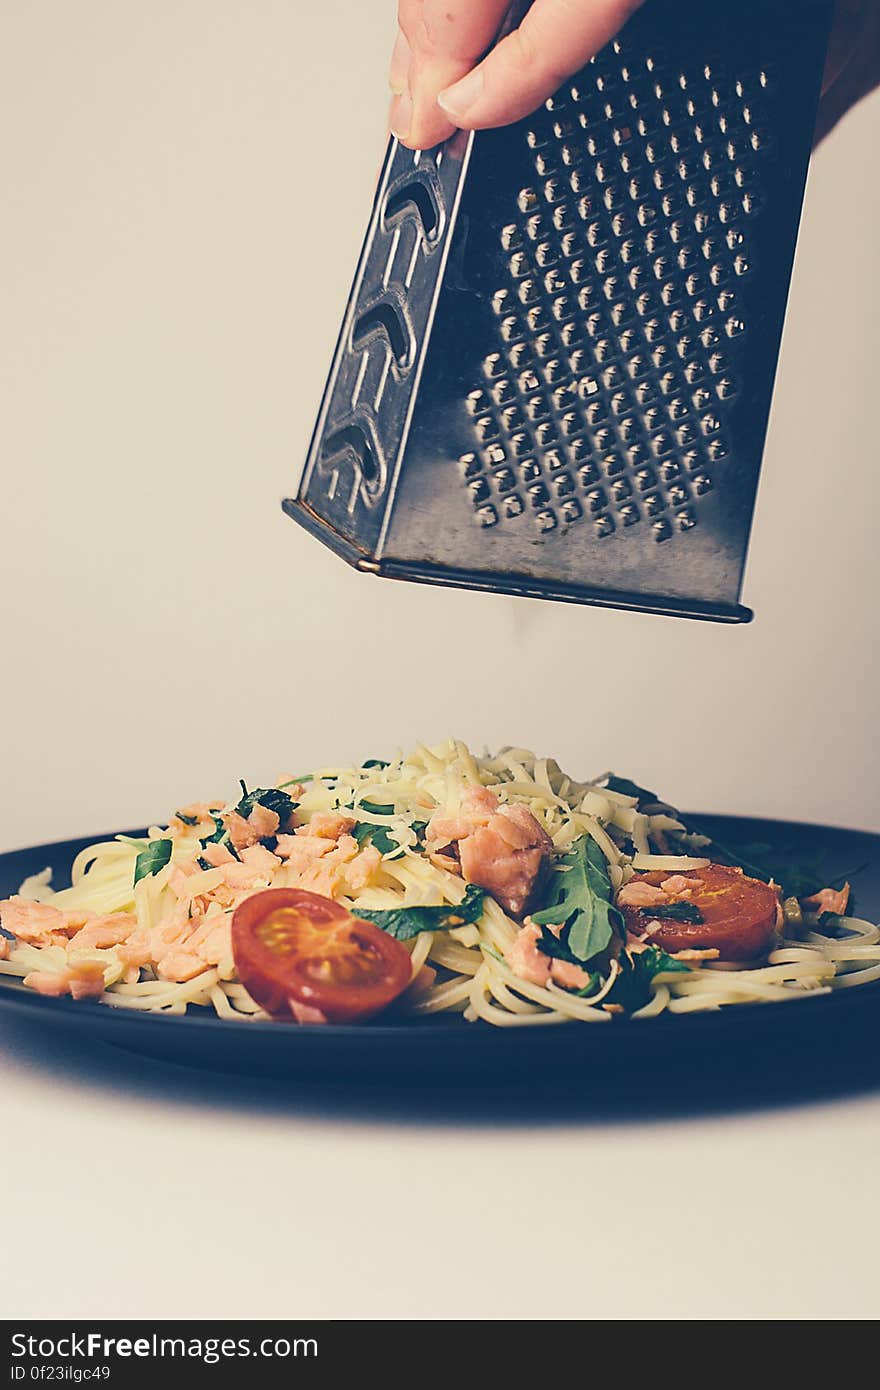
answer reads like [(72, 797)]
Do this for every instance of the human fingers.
[(554, 39), (439, 41)]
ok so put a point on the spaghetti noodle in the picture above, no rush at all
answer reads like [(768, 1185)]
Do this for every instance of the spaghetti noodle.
[(144, 923)]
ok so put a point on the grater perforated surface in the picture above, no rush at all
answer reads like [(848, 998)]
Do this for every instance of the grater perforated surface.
[(555, 370), (619, 315)]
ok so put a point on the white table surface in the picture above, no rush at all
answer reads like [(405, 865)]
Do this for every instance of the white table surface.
[(141, 1189), (191, 183)]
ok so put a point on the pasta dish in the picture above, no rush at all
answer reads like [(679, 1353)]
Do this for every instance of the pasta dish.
[(497, 887)]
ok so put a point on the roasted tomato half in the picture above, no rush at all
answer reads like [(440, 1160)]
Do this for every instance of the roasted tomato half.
[(303, 955), (735, 915)]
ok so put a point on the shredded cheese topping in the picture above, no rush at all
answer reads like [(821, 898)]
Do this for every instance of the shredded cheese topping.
[(469, 970)]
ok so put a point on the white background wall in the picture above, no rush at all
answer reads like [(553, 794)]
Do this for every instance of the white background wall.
[(186, 185)]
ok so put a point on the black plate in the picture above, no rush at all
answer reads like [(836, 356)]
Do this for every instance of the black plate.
[(449, 1049)]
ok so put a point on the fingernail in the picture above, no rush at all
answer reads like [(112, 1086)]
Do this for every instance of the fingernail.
[(458, 99), (400, 60), (401, 115)]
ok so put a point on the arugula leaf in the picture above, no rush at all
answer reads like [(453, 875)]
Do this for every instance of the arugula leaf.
[(406, 922), (152, 859), (580, 900), (632, 988), (674, 912), (187, 820), (272, 798)]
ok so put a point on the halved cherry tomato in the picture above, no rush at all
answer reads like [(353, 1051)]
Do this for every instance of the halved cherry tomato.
[(739, 913), (296, 951)]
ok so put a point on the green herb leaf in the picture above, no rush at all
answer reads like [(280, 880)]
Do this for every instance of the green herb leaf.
[(219, 832), (272, 798), (557, 946), (591, 986), (674, 912), (382, 841), (368, 834), (220, 837), (406, 922), (632, 988), (375, 762), (579, 899), (152, 859), (187, 820)]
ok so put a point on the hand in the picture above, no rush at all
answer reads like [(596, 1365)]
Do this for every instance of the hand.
[(441, 80), (440, 84)]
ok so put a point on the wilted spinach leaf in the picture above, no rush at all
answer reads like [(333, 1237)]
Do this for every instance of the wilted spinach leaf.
[(557, 946), (674, 912), (366, 832), (376, 835), (272, 798), (632, 988), (406, 922)]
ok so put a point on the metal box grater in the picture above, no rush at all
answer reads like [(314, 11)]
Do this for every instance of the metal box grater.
[(555, 369)]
